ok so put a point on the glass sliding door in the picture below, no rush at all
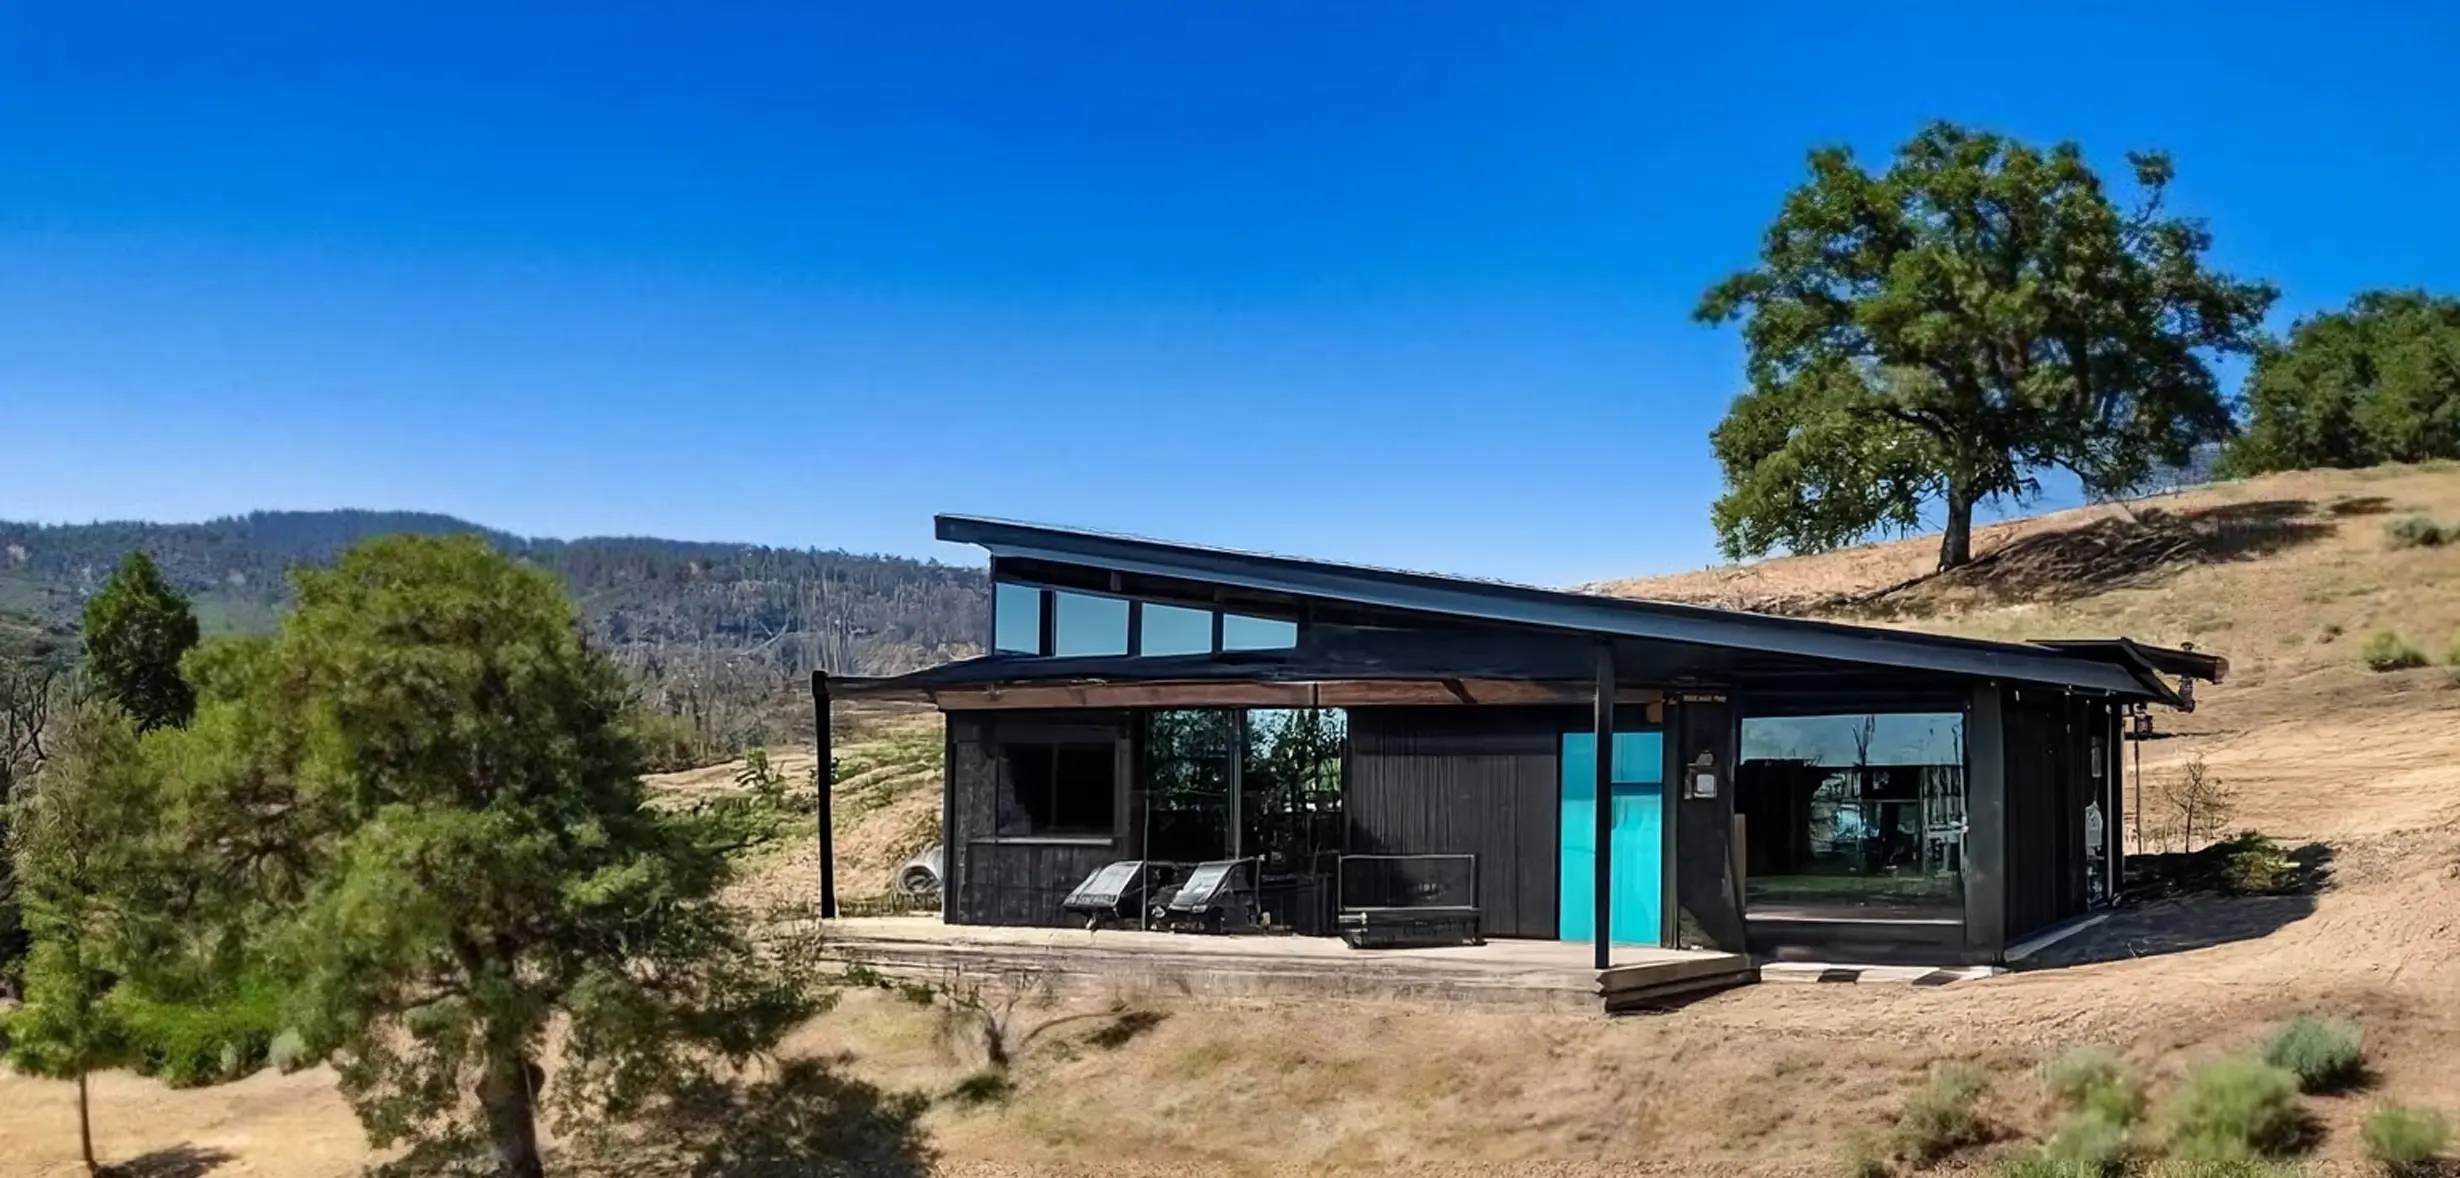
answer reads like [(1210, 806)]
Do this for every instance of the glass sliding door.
[(1262, 784), (1187, 786)]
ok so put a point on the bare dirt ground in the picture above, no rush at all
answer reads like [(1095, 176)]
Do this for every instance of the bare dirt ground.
[(2286, 576)]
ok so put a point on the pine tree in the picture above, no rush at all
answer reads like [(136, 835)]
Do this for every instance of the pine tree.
[(136, 631), (76, 837), (422, 807)]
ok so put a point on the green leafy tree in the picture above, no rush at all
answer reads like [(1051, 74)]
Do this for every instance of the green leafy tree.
[(1948, 329), (2377, 382), (76, 837), (420, 804), (136, 631)]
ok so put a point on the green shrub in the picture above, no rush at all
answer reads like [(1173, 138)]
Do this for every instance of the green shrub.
[(186, 1044), (2418, 531), (983, 1087), (2090, 1144), (2387, 651), (1943, 1115), (2089, 1081), (2252, 865), (1865, 1156), (2404, 1141), (2452, 656), (2326, 1055), (2235, 1110)]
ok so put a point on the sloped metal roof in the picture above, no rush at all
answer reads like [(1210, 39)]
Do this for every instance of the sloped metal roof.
[(2114, 666)]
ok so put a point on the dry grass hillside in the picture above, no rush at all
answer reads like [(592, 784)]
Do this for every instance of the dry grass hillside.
[(2287, 576)]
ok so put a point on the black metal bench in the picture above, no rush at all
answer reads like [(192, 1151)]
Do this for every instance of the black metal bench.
[(1408, 901)]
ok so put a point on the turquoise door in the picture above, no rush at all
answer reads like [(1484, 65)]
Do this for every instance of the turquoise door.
[(1639, 809)]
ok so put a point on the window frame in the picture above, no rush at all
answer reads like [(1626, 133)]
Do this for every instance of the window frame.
[(1005, 775)]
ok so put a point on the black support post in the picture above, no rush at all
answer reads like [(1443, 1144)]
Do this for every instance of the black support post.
[(824, 769), (1604, 913)]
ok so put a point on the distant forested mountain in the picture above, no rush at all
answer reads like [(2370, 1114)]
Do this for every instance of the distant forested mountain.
[(720, 635)]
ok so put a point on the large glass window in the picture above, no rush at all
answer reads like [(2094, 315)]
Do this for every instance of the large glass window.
[(1172, 629), (1016, 619), (1089, 625), (1057, 789), (1240, 632), (1862, 812)]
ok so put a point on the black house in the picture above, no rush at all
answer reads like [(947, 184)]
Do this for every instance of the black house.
[(1790, 788)]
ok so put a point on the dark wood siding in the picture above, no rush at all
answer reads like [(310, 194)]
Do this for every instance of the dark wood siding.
[(1011, 881), (1480, 781), (2049, 782)]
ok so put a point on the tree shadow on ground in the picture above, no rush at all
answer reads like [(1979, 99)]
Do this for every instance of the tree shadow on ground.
[(806, 1120), (2121, 551), (2177, 914), (179, 1161)]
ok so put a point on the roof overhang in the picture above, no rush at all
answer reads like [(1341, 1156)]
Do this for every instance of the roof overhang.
[(2130, 674)]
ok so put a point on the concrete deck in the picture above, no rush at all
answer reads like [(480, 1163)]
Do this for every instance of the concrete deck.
[(1540, 973)]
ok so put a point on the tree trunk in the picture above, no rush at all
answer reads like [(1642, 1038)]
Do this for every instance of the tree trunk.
[(511, 1105), (1956, 544), (85, 1127)]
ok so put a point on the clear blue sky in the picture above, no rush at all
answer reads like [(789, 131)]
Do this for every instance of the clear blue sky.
[(1405, 283)]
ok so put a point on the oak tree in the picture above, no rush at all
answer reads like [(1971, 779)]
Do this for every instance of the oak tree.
[(2377, 382), (1946, 330)]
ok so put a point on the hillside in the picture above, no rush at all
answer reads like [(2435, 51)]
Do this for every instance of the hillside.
[(2288, 576), (720, 635)]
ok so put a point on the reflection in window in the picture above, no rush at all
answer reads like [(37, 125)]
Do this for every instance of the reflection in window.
[(1171, 629), (1016, 619), (1057, 789), (1239, 632), (1187, 779), (1858, 811), (1290, 788), (1088, 625)]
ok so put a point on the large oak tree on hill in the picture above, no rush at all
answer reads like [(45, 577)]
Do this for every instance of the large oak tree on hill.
[(1948, 329)]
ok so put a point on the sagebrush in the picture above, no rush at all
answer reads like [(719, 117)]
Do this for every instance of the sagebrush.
[(1943, 1115), (2404, 1141), (2235, 1110), (2326, 1055)]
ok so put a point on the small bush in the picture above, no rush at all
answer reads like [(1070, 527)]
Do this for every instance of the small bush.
[(2252, 865), (288, 1053), (2091, 1082), (2235, 1110), (2387, 651), (2090, 1144), (983, 1087), (1865, 1156), (2404, 1141), (2418, 531), (187, 1044), (1943, 1115), (2326, 1055), (2452, 656)]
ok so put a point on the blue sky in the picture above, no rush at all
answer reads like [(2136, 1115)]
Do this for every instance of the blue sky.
[(1402, 283)]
